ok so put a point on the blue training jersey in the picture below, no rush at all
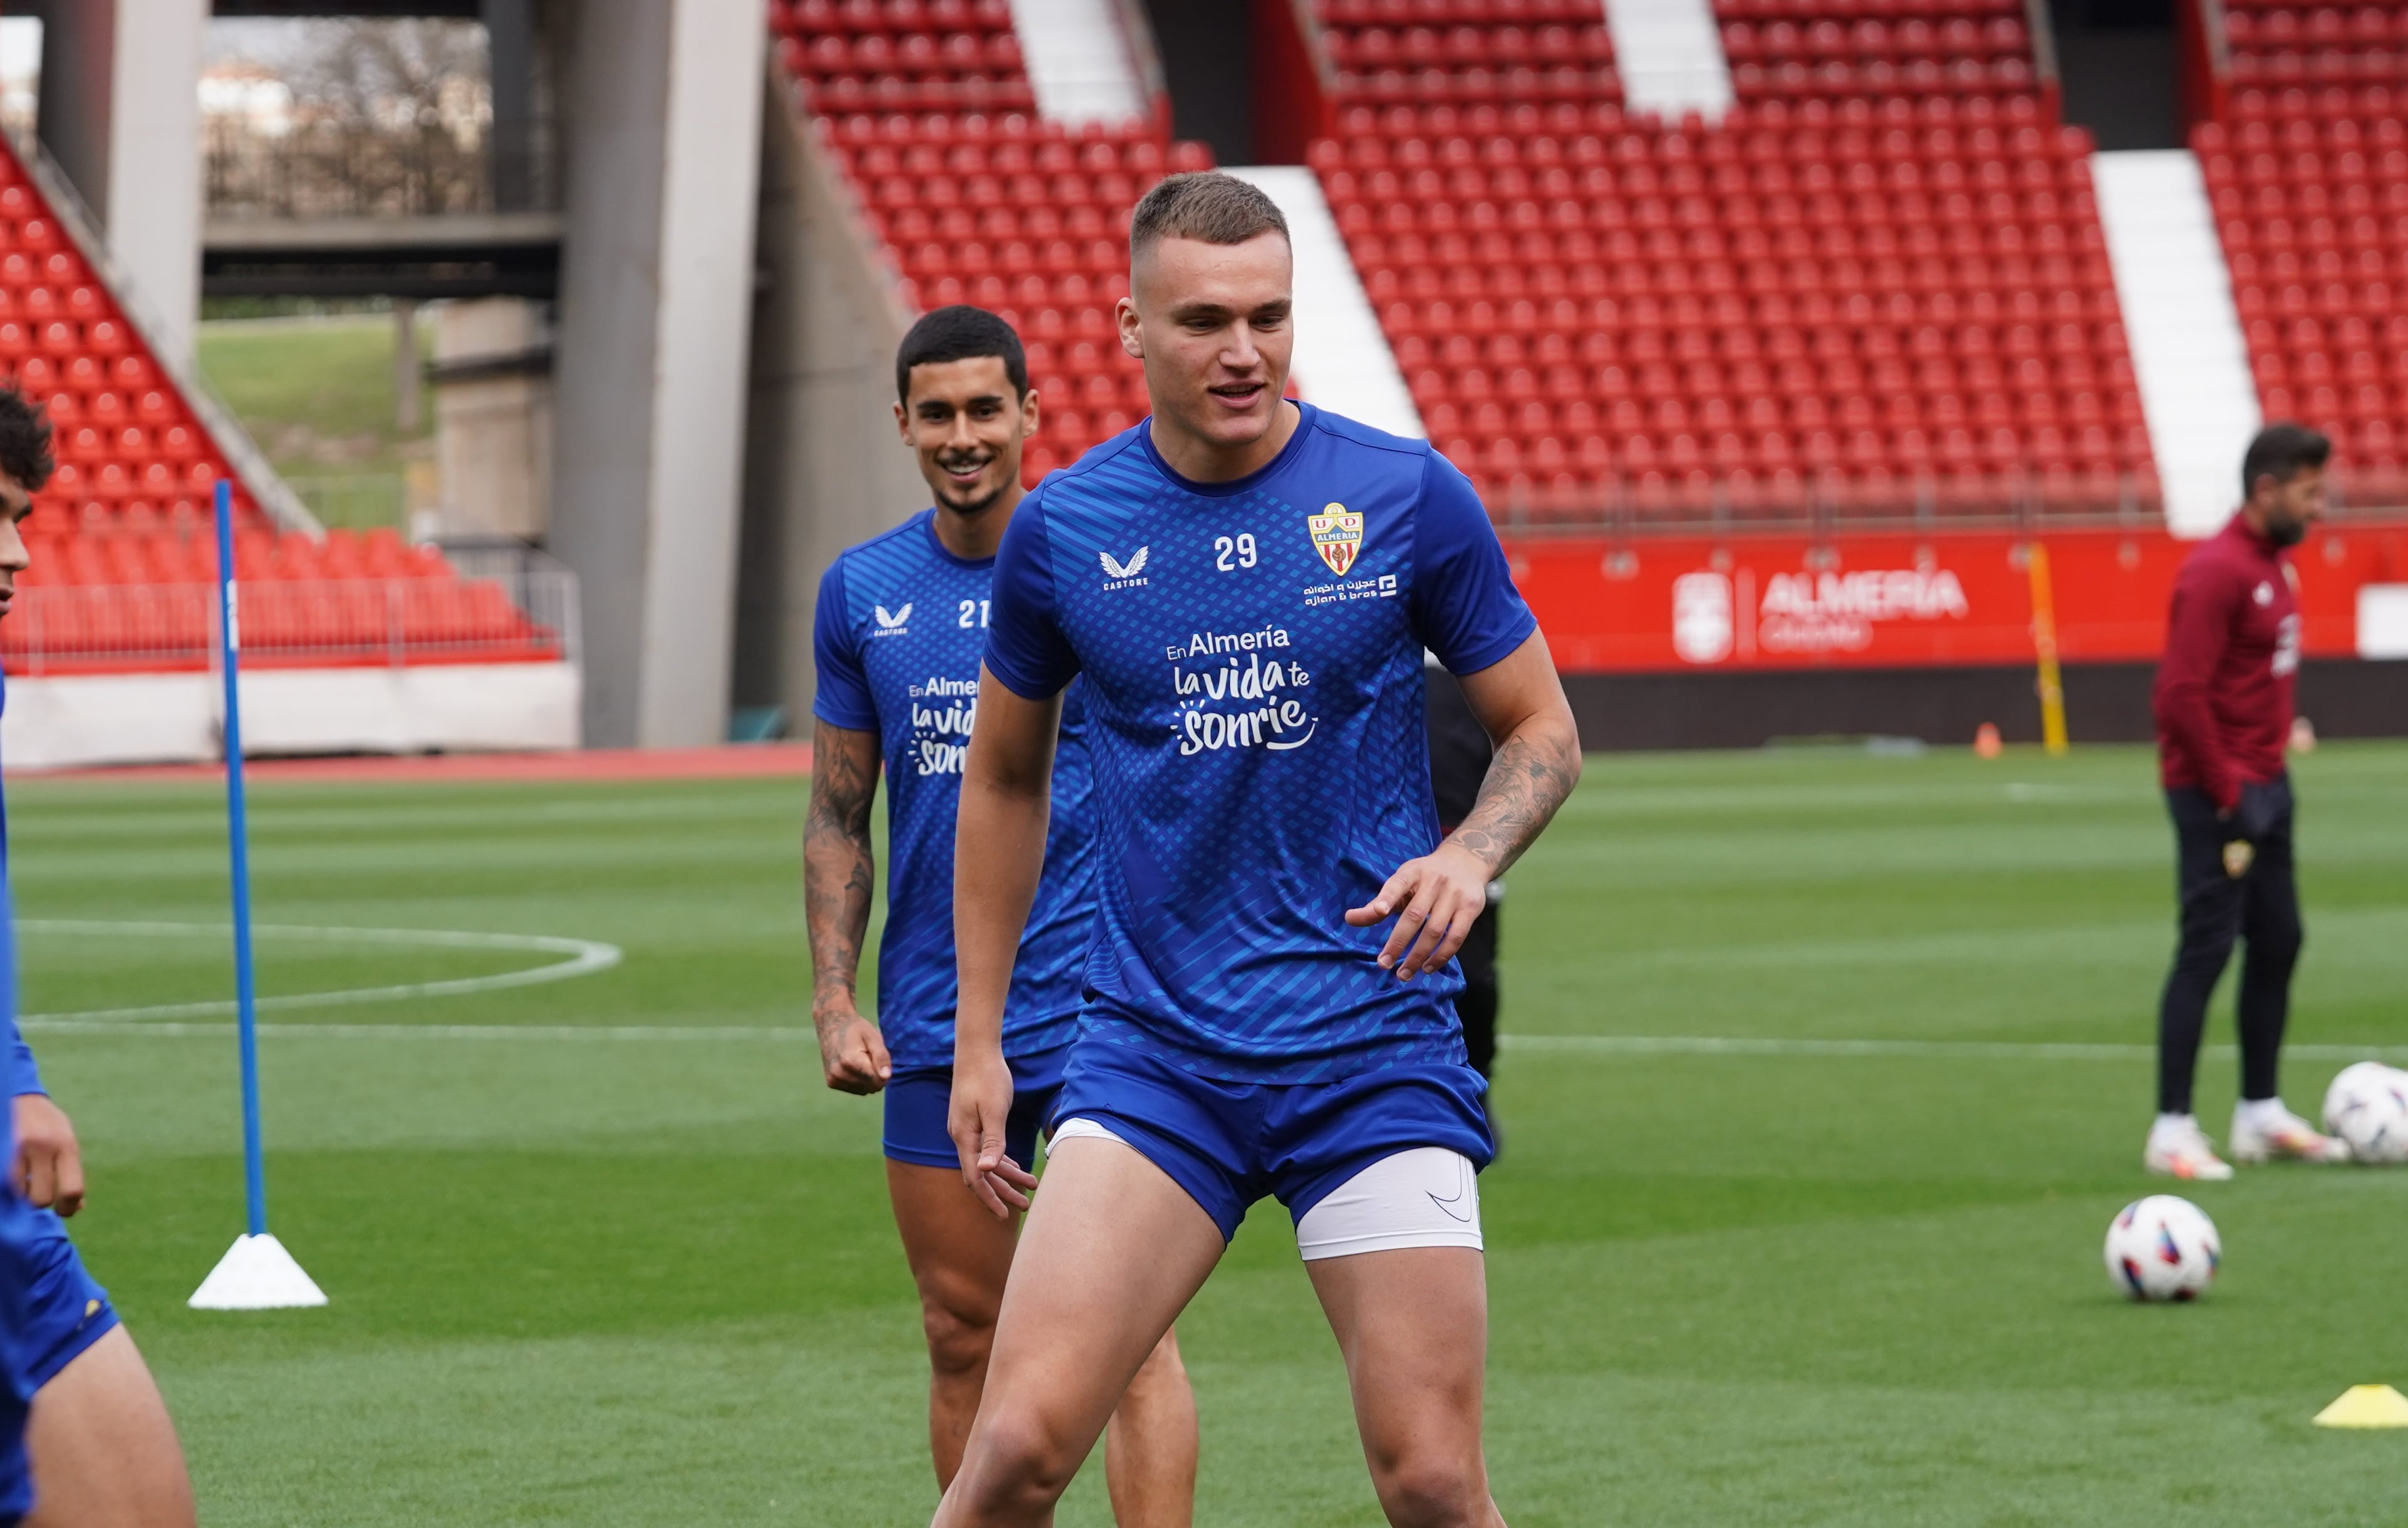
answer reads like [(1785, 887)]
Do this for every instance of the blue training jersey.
[(898, 632), (1252, 653)]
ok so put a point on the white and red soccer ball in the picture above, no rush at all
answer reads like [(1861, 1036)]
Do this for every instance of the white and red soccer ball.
[(2162, 1248)]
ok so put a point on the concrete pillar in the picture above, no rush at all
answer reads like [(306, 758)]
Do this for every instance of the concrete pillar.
[(121, 113), (661, 107), (406, 380), (510, 48), (493, 419)]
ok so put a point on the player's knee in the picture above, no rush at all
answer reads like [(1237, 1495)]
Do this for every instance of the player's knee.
[(1023, 1465), (1430, 1490), (960, 1333)]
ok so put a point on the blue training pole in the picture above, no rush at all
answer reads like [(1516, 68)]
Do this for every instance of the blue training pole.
[(254, 1172)]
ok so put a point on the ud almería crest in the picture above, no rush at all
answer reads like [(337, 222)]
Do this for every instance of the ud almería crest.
[(1337, 535)]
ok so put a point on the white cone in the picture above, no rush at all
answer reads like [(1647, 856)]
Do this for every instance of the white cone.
[(257, 1274)]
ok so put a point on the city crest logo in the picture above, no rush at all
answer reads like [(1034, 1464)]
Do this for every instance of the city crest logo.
[(1337, 535)]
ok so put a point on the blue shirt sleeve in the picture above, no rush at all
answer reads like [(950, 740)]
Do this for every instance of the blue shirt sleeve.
[(1465, 607), (842, 696), (1025, 645)]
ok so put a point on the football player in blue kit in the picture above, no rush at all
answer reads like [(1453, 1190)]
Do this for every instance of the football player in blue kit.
[(1244, 587), (84, 1435), (901, 623)]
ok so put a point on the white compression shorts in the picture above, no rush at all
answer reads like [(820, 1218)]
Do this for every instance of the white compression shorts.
[(1427, 1196)]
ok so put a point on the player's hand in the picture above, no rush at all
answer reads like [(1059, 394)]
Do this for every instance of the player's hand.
[(852, 1052), (981, 1102), (1434, 900), (48, 1167)]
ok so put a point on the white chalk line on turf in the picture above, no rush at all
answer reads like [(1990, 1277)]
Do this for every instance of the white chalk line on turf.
[(1708, 1044), (584, 957), (546, 1033), (1594, 1045)]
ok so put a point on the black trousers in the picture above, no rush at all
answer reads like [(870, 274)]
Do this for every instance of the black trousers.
[(2259, 906), (1477, 1005)]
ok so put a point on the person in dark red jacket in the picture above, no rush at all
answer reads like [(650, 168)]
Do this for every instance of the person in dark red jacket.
[(2224, 710)]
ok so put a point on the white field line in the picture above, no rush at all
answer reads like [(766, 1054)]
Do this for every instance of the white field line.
[(1707, 1045), (1593, 1045), (584, 957), (546, 1033)]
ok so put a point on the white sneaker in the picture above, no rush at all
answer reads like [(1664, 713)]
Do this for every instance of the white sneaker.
[(2263, 1135), (2182, 1151)]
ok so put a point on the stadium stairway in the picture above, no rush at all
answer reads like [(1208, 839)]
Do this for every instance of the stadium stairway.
[(1342, 360), (1079, 62), (1669, 54), (2188, 351)]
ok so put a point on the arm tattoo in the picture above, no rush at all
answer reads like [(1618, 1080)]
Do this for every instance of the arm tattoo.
[(839, 869), (1528, 779)]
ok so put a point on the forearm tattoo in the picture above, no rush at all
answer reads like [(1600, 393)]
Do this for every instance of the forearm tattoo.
[(1528, 779), (839, 869)]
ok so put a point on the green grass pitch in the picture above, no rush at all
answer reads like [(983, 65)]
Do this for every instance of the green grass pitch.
[(647, 1277)]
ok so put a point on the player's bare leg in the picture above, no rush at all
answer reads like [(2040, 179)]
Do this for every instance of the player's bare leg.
[(102, 1448), (1414, 1326), (960, 1255), (1150, 1448), (1111, 1253)]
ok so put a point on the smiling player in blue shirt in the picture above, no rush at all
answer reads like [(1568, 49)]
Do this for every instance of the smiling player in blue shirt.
[(902, 620), (1244, 587)]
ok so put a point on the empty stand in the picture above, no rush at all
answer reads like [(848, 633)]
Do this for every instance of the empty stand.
[(1021, 215), (2310, 193), (1831, 49), (903, 55), (1468, 51), (122, 549), (1908, 304), (2285, 44), (1030, 220), (124, 439), (132, 594)]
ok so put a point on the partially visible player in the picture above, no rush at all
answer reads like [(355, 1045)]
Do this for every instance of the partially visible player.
[(902, 620), (1243, 588), (1460, 753), (2224, 709), (102, 1446)]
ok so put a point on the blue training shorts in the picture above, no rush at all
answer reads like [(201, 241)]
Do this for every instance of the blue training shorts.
[(917, 1099), (1229, 1144), (50, 1310)]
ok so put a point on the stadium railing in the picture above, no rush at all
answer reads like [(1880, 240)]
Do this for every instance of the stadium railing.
[(2027, 503), (332, 623)]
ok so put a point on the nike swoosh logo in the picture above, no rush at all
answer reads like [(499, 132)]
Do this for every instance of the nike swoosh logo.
[(1462, 1188)]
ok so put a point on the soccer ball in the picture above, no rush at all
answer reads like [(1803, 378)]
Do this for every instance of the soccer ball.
[(2162, 1248), (2367, 1106)]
